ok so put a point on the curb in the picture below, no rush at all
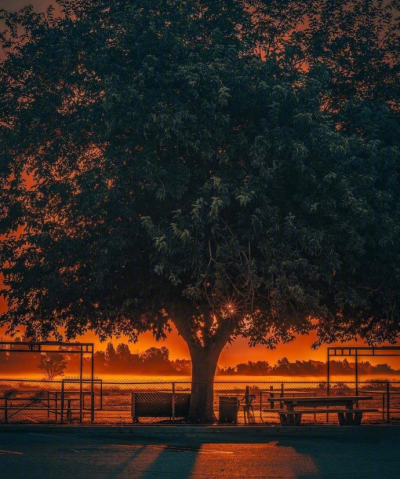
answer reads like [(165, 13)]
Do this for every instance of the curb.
[(154, 431)]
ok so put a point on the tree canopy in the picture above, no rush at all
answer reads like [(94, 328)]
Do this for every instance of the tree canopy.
[(166, 162)]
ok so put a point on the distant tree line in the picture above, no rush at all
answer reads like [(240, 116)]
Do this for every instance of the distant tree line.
[(283, 367), (120, 360), (156, 361)]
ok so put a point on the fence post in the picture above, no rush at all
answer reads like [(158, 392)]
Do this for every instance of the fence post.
[(92, 407), (173, 402), (282, 390), (62, 402), (272, 394), (356, 365), (56, 405), (69, 411), (5, 411), (383, 406), (133, 406), (388, 401)]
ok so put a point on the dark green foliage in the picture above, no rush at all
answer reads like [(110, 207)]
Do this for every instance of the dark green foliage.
[(181, 175)]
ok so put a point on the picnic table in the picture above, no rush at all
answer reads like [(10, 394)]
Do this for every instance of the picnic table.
[(348, 414)]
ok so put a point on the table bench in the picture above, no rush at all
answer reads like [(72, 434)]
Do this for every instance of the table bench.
[(347, 413), (346, 418)]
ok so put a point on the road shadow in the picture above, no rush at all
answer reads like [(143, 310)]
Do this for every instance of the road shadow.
[(301, 456)]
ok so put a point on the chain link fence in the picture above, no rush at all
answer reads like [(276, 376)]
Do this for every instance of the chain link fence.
[(119, 402)]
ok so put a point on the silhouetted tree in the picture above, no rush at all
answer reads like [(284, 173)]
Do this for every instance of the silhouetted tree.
[(110, 355), (52, 365), (123, 352), (383, 369), (181, 177), (341, 367), (128, 362), (157, 359), (182, 366), (258, 368), (100, 361), (282, 367)]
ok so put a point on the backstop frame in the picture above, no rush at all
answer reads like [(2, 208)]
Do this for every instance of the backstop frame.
[(358, 352), (48, 347)]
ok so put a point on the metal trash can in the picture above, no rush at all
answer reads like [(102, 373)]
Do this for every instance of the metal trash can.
[(228, 409)]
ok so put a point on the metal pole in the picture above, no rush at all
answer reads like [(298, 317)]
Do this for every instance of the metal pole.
[(62, 402), (328, 386), (80, 386), (271, 395), (388, 402), (383, 406), (92, 390), (173, 402), (356, 372), (328, 372), (69, 410)]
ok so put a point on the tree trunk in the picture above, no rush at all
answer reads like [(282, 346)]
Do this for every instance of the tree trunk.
[(204, 354), (204, 365)]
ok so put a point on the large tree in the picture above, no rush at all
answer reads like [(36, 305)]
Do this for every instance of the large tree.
[(156, 169)]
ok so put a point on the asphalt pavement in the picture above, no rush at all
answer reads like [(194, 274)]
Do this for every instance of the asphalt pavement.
[(365, 452)]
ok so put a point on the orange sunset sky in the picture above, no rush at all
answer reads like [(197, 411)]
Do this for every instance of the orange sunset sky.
[(237, 352), (233, 354)]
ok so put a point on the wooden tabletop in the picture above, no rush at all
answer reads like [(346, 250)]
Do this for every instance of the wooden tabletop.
[(326, 399)]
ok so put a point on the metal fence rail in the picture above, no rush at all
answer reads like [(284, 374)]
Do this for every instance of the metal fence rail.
[(125, 402)]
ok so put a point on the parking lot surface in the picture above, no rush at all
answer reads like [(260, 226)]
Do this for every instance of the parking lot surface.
[(58, 455)]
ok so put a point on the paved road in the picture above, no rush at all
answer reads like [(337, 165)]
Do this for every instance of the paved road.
[(68, 456)]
